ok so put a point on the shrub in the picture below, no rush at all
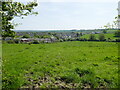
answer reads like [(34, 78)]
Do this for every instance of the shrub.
[(29, 43), (77, 39), (108, 39), (26, 36), (17, 41), (45, 36), (117, 40), (60, 40), (101, 37), (117, 33), (10, 41), (35, 42), (104, 31), (92, 37), (83, 39)]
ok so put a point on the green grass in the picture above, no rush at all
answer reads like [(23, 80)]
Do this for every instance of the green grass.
[(66, 64), (107, 35), (111, 31)]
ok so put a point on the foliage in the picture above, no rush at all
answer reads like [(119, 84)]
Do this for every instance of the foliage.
[(45, 36), (10, 10), (17, 41), (8, 34), (37, 36), (92, 37), (79, 34), (26, 36), (83, 39), (117, 40), (104, 31), (107, 26), (10, 41), (35, 42), (117, 33), (101, 37)]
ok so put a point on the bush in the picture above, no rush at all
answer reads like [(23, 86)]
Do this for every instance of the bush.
[(101, 37), (117, 33), (10, 41), (35, 42), (109, 39), (117, 40), (104, 31), (83, 39), (60, 40), (16, 41), (92, 37), (45, 36), (26, 36)]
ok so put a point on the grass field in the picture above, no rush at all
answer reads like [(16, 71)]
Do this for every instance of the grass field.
[(61, 65), (107, 35)]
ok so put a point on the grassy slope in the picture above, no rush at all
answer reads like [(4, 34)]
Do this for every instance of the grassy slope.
[(94, 64), (107, 35)]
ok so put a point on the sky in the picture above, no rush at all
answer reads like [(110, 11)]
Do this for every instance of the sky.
[(69, 14)]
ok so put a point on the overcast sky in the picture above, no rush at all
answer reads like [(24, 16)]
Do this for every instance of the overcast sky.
[(69, 14)]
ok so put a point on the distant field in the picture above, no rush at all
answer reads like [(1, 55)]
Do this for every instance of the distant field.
[(110, 34), (61, 65), (107, 35), (111, 31)]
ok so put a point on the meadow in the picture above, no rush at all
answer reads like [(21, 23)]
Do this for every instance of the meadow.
[(73, 64), (107, 35)]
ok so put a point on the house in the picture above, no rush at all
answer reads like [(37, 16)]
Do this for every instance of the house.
[(47, 40), (25, 40)]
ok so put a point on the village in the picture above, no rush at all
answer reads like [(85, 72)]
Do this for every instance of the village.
[(46, 37)]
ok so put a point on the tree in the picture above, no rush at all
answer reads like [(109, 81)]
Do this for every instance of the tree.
[(117, 33), (104, 31), (108, 26), (115, 24), (81, 33), (101, 37), (26, 36), (92, 37), (10, 10)]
